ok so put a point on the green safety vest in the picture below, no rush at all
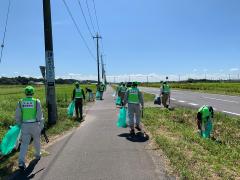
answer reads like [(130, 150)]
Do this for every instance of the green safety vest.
[(123, 89), (133, 95), (102, 87), (205, 113), (166, 88), (28, 107), (78, 93)]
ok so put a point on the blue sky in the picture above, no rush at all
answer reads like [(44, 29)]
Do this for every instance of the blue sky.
[(140, 37)]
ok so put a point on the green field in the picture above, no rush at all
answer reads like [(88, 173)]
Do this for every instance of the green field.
[(10, 95), (218, 88), (175, 132)]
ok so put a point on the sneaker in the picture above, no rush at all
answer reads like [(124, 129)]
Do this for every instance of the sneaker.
[(132, 132), (37, 158), (22, 167), (138, 128)]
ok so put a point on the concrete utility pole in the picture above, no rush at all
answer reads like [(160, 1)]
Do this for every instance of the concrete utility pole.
[(98, 37), (104, 78), (147, 81), (49, 59)]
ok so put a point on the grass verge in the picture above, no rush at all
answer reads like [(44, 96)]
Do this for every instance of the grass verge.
[(10, 95), (192, 157), (216, 88)]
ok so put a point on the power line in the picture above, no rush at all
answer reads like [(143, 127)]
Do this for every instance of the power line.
[(78, 30), (85, 19), (5, 30), (95, 12), (90, 16)]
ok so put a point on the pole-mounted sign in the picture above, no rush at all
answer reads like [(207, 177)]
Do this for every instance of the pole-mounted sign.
[(43, 71)]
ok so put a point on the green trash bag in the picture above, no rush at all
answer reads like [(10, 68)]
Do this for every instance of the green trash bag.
[(118, 101), (98, 95), (122, 116), (208, 130), (71, 108), (10, 140)]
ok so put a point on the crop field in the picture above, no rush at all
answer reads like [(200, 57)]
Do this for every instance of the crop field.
[(218, 88), (175, 132), (10, 95)]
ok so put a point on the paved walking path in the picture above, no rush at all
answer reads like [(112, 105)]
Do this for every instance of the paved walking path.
[(98, 150)]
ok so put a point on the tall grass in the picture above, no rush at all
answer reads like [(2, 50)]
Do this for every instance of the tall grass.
[(219, 88), (175, 132)]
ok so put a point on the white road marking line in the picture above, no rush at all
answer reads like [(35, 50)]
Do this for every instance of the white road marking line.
[(173, 99), (231, 113), (193, 104), (182, 101), (221, 100)]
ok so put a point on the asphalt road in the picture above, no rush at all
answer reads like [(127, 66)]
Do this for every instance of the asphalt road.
[(98, 150), (221, 103)]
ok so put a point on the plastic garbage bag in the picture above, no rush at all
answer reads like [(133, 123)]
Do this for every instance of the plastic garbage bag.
[(122, 118), (98, 95), (10, 140), (118, 101), (71, 108), (208, 130), (157, 100)]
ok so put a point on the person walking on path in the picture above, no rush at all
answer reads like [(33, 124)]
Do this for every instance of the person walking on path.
[(101, 90), (118, 89), (122, 92), (134, 99), (165, 91), (90, 94), (78, 96), (30, 117)]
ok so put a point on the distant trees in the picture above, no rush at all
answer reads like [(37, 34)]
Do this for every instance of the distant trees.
[(28, 80)]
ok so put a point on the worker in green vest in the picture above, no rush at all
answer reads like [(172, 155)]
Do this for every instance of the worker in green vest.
[(204, 120), (122, 92), (30, 117), (134, 99), (118, 89), (101, 90), (78, 97), (165, 91)]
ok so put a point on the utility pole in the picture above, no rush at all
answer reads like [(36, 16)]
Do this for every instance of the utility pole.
[(49, 59), (147, 81), (103, 70), (98, 37)]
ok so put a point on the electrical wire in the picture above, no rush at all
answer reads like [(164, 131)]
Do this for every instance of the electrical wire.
[(95, 12), (85, 19), (78, 30), (90, 16), (5, 30)]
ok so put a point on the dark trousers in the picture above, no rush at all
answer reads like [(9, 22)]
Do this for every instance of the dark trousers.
[(78, 107)]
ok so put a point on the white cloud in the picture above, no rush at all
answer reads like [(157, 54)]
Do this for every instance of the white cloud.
[(234, 69)]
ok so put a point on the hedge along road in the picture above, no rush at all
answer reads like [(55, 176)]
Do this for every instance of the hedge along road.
[(221, 103)]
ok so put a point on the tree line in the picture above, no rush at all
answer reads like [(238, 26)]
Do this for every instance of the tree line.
[(30, 80)]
